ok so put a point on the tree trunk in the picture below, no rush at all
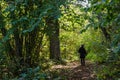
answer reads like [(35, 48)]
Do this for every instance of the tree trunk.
[(106, 34), (53, 26), (18, 43)]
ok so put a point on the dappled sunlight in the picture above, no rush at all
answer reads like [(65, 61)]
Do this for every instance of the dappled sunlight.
[(68, 66)]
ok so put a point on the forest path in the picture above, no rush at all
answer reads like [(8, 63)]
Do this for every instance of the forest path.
[(74, 71)]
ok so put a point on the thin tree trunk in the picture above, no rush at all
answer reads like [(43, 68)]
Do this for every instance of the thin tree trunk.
[(107, 36), (18, 43)]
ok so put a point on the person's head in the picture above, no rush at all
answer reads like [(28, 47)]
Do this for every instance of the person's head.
[(82, 45)]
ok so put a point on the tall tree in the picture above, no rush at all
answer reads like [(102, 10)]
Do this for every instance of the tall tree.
[(53, 26)]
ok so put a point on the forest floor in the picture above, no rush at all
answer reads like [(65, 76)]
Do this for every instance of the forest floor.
[(74, 71)]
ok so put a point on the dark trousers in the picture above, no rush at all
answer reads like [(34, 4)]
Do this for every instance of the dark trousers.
[(82, 61)]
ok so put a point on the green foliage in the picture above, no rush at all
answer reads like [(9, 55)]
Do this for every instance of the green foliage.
[(33, 74), (105, 14), (69, 43), (22, 29), (24, 45), (70, 24)]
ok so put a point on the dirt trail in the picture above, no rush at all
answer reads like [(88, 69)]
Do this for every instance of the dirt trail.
[(74, 71)]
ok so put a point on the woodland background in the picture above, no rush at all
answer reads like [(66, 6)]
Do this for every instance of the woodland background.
[(36, 34)]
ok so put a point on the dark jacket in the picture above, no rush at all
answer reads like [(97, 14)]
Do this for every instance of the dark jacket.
[(82, 52)]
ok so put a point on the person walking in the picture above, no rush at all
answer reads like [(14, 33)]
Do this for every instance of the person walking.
[(83, 54)]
